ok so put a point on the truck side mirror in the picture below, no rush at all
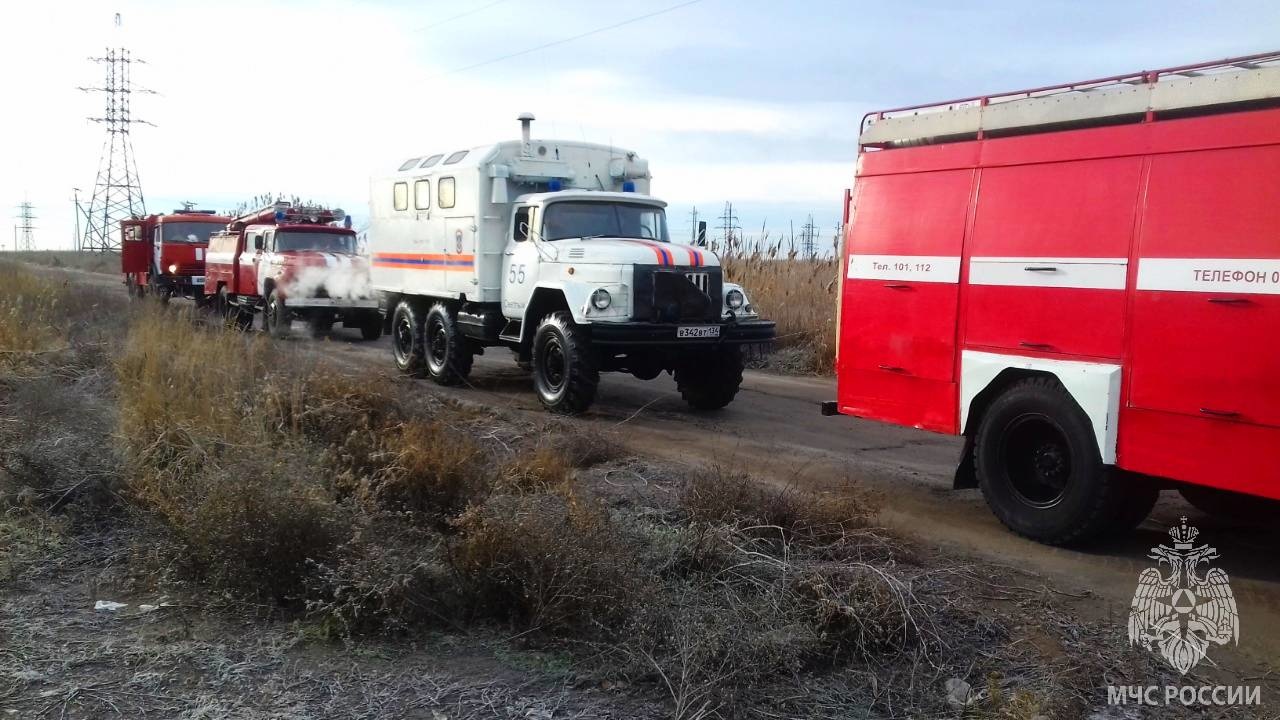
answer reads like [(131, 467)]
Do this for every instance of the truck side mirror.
[(522, 232), (257, 243)]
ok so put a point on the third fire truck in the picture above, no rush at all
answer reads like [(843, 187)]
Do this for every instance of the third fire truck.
[(1082, 280), (289, 262), (163, 255)]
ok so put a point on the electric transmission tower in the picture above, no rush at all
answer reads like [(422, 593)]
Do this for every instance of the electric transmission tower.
[(22, 238), (117, 192), (809, 239), (730, 230)]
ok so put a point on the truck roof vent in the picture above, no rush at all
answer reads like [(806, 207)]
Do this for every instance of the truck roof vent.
[(526, 119)]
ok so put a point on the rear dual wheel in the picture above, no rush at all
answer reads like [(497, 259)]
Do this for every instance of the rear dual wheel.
[(1041, 473), (429, 343)]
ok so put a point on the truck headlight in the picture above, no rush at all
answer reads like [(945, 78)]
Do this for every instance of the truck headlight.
[(173, 269), (735, 299), (600, 299)]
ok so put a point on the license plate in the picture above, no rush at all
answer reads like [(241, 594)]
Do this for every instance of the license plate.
[(698, 331), (197, 280)]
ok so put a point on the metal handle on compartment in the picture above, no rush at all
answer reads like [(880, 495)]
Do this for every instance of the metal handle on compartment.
[(891, 368), (1220, 413), (1229, 300), (1040, 268), (897, 286), (1036, 346)]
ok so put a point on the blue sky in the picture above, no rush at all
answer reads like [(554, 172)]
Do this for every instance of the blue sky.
[(749, 101)]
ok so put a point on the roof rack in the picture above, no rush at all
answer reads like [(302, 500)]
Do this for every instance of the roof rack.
[(1134, 97)]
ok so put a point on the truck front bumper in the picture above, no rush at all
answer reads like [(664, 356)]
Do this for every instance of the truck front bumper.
[(740, 332), (335, 303)]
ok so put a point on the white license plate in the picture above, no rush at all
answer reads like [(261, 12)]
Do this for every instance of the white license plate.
[(197, 280), (698, 331)]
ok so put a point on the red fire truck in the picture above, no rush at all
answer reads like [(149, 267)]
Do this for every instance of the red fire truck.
[(291, 262), (163, 255), (1082, 280)]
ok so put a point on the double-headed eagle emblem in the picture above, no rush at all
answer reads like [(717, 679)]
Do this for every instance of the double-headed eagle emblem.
[(1180, 615)]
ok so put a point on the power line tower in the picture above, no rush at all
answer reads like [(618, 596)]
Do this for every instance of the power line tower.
[(809, 238), (22, 237), (117, 192), (730, 230)]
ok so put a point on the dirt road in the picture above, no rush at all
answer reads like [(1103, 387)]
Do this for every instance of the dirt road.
[(774, 430)]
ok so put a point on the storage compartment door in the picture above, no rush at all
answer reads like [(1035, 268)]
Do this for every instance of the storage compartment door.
[(898, 317), (1049, 258), (1206, 323)]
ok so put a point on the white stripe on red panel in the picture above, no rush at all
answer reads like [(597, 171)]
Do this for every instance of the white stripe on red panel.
[(920, 268), (1084, 273), (1259, 276)]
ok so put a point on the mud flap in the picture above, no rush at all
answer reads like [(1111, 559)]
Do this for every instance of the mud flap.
[(966, 474)]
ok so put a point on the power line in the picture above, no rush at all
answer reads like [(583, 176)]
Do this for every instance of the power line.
[(459, 16), (579, 36)]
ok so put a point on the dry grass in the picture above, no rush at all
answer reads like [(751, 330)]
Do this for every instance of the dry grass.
[(32, 314), (107, 263), (799, 293)]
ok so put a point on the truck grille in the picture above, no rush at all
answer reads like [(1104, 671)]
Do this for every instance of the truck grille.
[(668, 295), (700, 280)]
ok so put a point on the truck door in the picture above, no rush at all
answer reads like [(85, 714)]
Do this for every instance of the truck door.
[(520, 271), (901, 292), (1204, 389), (246, 266)]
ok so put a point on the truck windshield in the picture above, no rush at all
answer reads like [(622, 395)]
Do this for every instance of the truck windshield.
[(188, 232), (292, 241), (571, 219)]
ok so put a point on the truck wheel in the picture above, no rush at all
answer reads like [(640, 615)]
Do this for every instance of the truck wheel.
[(565, 369), (447, 354), (406, 339), (1039, 469), (710, 383), (371, 327), (275, 317), (1138, 495)]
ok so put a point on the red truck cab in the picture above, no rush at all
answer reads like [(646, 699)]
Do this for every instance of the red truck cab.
[(164, 255), (1083, 281), (288, 263)]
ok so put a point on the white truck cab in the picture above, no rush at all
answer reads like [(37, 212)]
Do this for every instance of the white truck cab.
[(556, 250)]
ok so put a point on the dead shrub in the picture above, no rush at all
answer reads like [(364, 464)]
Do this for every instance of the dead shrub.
[(388, 574), (248, 518), (582, 450), (717, 495), (431, 469), (541, 470), (546, 562)]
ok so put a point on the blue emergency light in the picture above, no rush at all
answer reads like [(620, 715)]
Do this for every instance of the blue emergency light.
[(555, 186), (629, 186), (280, 216)]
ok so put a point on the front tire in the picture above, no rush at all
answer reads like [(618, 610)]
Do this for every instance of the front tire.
[(565, 368), (711, 381), (406, 339), (275, 317), (448, 356), (1039, 468)]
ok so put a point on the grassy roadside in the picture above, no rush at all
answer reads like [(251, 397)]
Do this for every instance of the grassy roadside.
[(107, 263), (799, 294), (249, 478)]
